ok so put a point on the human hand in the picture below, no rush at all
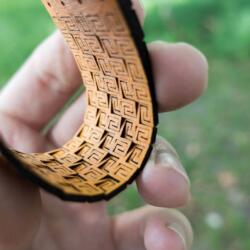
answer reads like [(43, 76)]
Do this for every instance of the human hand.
[(32, 219)]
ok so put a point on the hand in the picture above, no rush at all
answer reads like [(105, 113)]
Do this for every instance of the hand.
[(33, 219)]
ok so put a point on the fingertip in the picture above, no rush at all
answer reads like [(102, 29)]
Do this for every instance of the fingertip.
[(159, 236), (163, 186), (198, 66), (181, 74)]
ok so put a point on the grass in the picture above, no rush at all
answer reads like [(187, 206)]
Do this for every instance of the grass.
[(211, 135), (22, 25)]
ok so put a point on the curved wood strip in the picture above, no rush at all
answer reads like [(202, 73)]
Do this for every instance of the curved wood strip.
[(114, 143)]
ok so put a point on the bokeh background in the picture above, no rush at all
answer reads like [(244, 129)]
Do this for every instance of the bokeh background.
[(211, 135)]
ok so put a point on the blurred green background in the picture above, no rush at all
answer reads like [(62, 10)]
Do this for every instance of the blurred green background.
[(211, 135)]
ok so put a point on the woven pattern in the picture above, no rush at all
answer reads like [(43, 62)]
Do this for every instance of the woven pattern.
[(112, 145)]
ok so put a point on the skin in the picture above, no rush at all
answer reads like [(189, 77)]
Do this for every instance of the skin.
[(33, 219)]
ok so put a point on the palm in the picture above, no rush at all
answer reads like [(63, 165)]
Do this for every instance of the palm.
[(63, 223), (76, 226)]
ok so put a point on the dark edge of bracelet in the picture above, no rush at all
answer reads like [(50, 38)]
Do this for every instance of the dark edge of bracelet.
[(138, 37)]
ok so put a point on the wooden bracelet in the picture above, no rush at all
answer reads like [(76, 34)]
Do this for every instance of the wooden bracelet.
[(115, 140)]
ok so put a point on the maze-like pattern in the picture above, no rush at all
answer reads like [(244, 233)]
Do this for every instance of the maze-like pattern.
[(119, 124)]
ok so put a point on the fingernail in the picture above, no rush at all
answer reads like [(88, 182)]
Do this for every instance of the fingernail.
[(168, 160), (177, 229)]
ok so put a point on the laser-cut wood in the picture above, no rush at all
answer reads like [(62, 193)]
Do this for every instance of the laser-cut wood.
[(114, 143)]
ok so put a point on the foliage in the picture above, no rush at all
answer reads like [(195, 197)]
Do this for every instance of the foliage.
[(219, 27)]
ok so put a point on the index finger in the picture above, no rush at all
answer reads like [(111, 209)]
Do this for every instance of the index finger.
[(43, 84)]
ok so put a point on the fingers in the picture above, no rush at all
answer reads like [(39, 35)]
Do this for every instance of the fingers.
[(20, 210), (42, 86), (180, 72), (151, 228), (164, 182)]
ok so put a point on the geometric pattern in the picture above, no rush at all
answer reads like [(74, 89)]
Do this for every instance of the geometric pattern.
[(111, 147)]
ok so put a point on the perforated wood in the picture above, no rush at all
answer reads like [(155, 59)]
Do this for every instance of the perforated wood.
[(113, 144)]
